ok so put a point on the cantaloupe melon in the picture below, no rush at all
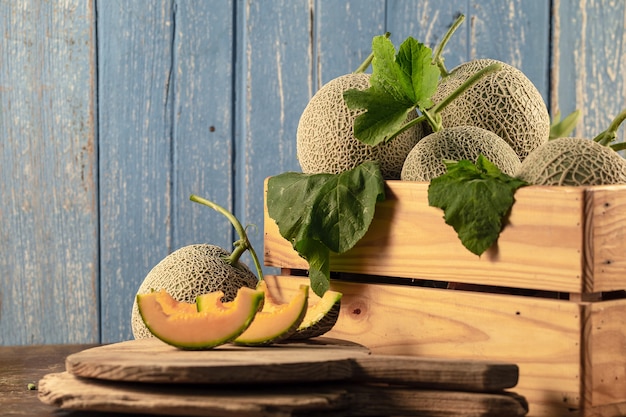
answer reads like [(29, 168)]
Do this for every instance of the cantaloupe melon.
[(320, 317), (189, 272), (325, 141), (275, 322), (505, 102), (426, 159), (180, 324), (573, 161)]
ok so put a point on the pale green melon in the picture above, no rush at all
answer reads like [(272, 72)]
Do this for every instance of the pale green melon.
[(426, 159), (325, 141), (505, 102), (573, 161)]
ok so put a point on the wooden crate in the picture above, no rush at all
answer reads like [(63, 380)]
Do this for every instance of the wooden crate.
[(550, 296)]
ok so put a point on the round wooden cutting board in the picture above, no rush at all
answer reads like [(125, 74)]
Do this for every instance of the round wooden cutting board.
[(150, 360), (311, 377)]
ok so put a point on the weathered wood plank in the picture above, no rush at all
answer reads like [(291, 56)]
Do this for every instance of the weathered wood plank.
[(166, 132), (80, 394), (23, 365), (587, 62), (48, 183), (135, 75), (542, 336), (344, 32), (203, 102), (273, 86), (408, 238), (515, 32)]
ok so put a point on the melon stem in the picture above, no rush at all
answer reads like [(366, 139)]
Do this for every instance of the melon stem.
[(608, 136), (432, 116), (361, 69), (241, 245), (437, 58), (462, 88)]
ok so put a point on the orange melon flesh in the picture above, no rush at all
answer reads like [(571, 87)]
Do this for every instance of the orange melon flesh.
[(320, 317), (176, 324), (275, 322)]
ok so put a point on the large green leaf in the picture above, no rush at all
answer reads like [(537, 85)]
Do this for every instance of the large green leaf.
[(324, 213)]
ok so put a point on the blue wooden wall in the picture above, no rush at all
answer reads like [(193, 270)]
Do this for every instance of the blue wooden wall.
[(113, 112)]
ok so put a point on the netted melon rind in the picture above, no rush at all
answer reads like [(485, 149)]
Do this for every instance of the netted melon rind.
[(505, 102), (575, 162), (325, 141), (321, 327), (191, 271), (426, 160)]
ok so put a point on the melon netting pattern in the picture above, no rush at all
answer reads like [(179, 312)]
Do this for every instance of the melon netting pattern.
[(189, 272)]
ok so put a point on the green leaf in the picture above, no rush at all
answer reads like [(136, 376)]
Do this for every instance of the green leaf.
[(318, 257), (475, 199), (324, 213), (561, 128), (388, 76), (416, 60), (385, 115), (398, 85)]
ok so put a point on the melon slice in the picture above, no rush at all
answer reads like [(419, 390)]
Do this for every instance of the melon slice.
[(320, 317), (182, 325), (275, 322)]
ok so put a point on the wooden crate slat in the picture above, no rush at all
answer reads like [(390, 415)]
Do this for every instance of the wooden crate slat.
[(570, 354), (605, 238), (550, 234)]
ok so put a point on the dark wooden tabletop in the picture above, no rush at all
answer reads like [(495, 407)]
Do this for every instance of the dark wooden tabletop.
[(24, 365)]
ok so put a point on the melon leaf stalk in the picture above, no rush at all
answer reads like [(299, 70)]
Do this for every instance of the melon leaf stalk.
[(401, 84), (196, 269), (609, 136), (240, 246)]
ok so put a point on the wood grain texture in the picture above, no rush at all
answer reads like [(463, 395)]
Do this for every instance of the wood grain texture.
[(515, 32), (541, 336), (68, 392), (48, 179), (308, 361), (587, 62), (273, 87), (135, 70), (165, 74), (550, 242), (605, 239), (152, 361), (604, 367), (23, 365)]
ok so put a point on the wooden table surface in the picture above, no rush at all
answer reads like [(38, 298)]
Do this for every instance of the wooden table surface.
[(22, 365)]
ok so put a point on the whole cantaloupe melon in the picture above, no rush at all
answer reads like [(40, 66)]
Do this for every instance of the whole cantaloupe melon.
[(573, 161), (325, 141), (189, 272), (426, 159), (505, 102)]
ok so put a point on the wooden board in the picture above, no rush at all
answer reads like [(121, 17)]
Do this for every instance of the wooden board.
[(570, 237), (150, 360), (69, 392), (322, 359), (570, 354)]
